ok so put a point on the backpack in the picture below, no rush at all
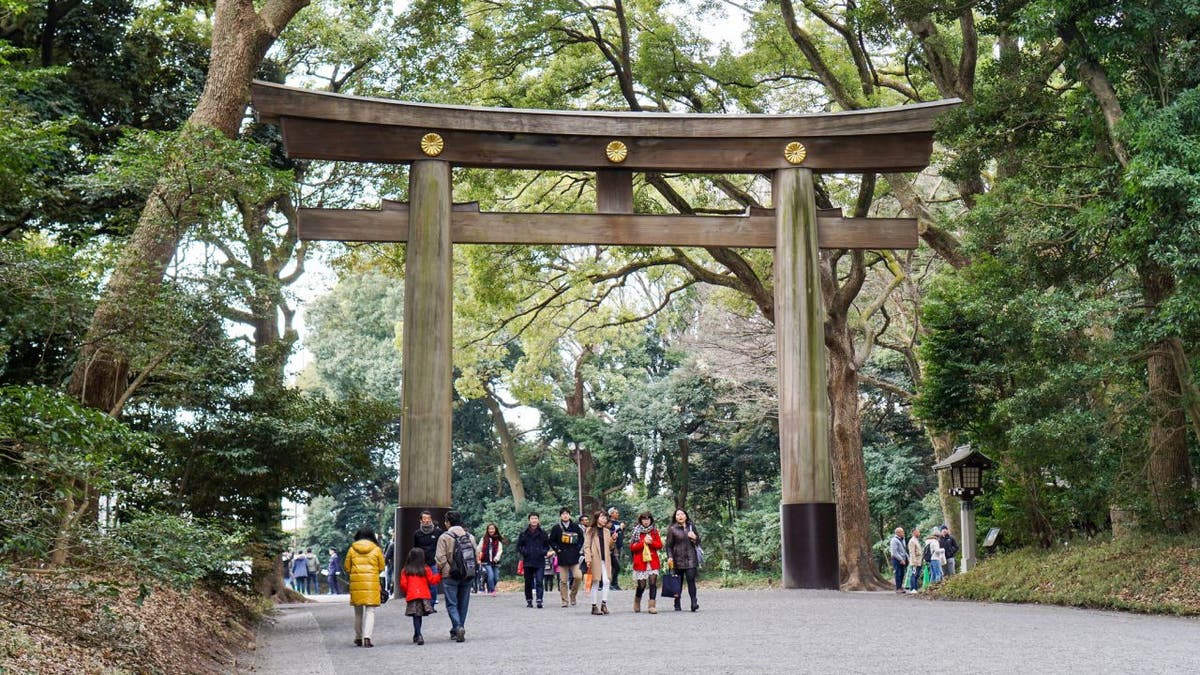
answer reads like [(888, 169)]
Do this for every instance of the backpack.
[(463, 563), (926, 553)]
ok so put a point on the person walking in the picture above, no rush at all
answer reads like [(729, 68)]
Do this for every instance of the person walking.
[(363, 564), (426, 538), (915, 561), (491, 547), (682, 546), (534, 547), (645, 543), (950, 546), (898, 554), (934, 556), (300, 572), (455, 559), (314, 577), (618, 530), (331, 572), (566, 538), (598, 545), (416, 579)]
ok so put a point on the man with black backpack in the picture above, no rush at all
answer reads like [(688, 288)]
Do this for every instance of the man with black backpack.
[(457, 563)]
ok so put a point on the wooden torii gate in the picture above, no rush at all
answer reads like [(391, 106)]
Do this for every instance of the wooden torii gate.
[(434, 138)]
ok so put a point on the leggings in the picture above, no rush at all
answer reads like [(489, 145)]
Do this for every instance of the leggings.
[(416, 625), (690, 577), (652, 581), (598, 581)]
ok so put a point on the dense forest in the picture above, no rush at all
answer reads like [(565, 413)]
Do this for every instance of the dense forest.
[(151, 311)]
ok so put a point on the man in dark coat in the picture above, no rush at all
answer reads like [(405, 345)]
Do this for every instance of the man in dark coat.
[(618, 533), (426, 538), (534, 547), (566, 538), (950, 546)]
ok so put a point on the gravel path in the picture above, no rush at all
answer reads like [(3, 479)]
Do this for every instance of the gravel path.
[(734, 632)]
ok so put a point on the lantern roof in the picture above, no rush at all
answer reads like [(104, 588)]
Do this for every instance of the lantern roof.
[(965, 455)]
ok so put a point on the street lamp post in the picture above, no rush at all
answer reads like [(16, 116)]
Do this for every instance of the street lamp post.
[(966, 468)]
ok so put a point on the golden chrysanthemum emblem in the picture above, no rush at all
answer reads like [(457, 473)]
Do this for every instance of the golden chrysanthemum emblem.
[(616, 152), (432, 144), (795, 152)]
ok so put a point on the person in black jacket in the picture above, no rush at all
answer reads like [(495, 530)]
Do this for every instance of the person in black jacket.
[(618, 533), (534, 547), (950, 546), (425, 538), (566, 538)]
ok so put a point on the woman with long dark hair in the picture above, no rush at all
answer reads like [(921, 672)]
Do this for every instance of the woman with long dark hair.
[(645, 543), (491, 547), (682, 543), (598, 544)]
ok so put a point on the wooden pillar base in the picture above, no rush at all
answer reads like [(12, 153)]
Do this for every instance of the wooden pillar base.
[(810, 548), (408, 520)]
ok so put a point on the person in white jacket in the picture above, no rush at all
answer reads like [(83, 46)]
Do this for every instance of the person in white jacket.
[(937, 556)]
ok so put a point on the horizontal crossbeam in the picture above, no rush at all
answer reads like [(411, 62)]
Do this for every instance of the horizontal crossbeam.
[(470, 226)]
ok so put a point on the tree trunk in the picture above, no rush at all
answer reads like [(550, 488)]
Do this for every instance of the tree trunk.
[(241, 38), (683, 473), (583, 457), (943, 447), (507, 451), (859, 570), (1168, 468)]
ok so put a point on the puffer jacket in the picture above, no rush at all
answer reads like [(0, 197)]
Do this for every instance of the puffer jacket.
[(363, 564)]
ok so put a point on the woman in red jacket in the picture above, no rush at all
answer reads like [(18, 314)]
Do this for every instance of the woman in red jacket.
[(645, 544), (415, 579)]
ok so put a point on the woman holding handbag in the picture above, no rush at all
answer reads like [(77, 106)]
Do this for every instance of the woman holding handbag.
[(598, 545), (645, 544), (364, 563), (684, 553)]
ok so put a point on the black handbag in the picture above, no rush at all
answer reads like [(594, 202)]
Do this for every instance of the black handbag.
[(383, 594)]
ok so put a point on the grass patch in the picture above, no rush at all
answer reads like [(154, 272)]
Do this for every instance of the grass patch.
[(1157, 575)]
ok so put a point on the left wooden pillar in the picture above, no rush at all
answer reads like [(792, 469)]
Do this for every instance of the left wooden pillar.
[(426, 353)]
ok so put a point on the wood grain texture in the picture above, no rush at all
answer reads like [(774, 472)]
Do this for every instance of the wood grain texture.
[(359, 142), (624, 229), (806, 469), (427, 362), (614, 191), (274, 101)]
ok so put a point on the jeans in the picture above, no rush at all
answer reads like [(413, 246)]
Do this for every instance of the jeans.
[(533, 579), (333, 585), (935, 569), (433, 592), (690, 577), (949, 567), (301, 584), (914, 577), (899, 568), (491, 574), (458, 599)]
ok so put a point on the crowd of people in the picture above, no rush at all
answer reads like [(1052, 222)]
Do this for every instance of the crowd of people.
[(447, 560), (302, 572), (919, 562)]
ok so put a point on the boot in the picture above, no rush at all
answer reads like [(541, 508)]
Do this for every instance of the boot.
[(637, 605), (653, 606), (574, 591), (604, 608), (595, 610)]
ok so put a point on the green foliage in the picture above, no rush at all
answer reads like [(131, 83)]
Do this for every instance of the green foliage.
[(176, 550), (1153, 574)]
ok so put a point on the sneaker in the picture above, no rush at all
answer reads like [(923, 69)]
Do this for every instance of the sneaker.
[(529, 604), (461, 636), (539, 605)]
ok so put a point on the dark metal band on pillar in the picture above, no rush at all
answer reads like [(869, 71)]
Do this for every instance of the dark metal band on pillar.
[(808, 513)]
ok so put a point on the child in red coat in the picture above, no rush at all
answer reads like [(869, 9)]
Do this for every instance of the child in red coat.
[(415, 579), (645, 544)]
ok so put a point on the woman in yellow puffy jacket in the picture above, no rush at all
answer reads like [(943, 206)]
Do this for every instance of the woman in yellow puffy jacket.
[(363, 564)]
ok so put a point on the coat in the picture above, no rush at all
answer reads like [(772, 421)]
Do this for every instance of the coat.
[(914, 552), (640, 543), (935, 549), (363, 564), (568, 553), (680, 549), (533, 544), (444, 554), (593, 540), (897, 550), (428, 543), (417, 587)]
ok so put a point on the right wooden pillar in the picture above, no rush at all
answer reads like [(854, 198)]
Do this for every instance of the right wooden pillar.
[(808, 511)]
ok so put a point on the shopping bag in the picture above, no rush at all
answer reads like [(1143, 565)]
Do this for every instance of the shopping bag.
[(672, 586)]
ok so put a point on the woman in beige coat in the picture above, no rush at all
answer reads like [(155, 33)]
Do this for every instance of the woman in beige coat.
[(598, 546)]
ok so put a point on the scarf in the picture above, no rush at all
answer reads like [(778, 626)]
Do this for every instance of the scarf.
[(426, 529), (647, 552)]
